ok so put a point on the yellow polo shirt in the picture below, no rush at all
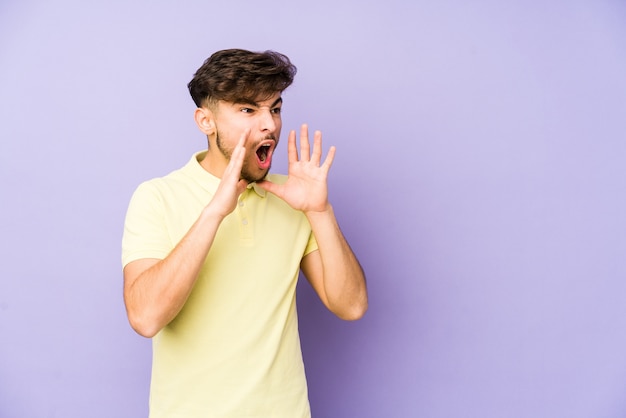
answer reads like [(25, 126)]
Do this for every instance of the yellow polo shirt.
[(234, 349)]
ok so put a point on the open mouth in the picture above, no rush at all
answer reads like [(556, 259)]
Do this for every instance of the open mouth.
[(264, 153)]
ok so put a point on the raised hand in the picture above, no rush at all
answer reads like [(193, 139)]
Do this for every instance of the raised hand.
[(231, 186), (306, 188)]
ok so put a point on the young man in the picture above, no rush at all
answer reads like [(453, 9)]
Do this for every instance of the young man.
[(212, 252)]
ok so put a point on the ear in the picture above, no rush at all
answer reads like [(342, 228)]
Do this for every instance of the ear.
[(205, 120)]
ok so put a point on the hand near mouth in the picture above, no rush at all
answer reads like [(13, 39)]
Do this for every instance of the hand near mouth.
[(231, 185), (306, 188)]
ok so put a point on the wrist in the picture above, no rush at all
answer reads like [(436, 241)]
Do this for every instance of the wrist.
[(211, 212), (314, 214)]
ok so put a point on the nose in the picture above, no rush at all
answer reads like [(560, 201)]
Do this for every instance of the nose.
[(267, 122)]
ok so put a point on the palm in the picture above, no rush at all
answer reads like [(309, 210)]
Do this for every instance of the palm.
[(306, 187), (231, 186)]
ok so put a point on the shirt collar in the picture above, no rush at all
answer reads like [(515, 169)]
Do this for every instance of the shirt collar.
[(257, 189), (208, 180)]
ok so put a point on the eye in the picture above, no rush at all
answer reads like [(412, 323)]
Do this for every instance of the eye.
[(276, 110), (247, 110)]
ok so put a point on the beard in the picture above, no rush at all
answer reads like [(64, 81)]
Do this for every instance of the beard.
[(246, 172)]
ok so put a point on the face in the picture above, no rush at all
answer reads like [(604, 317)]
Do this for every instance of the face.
[(264, 121)]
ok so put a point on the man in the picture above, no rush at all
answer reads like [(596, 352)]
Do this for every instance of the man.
[(212, 252)]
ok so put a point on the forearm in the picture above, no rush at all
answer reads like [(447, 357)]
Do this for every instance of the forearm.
[(343, 280), (154, 292)]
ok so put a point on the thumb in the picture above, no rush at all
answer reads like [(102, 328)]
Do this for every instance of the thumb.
[(268, 186), (241, 186)]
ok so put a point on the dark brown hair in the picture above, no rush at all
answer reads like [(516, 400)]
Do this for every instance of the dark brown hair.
[(235, 74)]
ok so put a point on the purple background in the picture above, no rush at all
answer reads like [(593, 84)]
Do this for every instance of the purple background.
[(480, 177)]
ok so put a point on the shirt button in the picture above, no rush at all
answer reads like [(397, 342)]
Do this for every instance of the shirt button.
[(245, 222), (241, 203)]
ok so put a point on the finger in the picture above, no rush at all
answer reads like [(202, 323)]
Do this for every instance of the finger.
[(268, 186), (236, 158), (241, 186), (292, 150), (316, 156), (328, 162), (233, 169), (304, 143), (243, 138)]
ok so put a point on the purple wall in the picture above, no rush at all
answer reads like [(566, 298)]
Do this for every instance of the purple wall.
[(480, 177)]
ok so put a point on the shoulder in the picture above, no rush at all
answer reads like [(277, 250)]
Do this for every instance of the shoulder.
[(158, 185), (182, 175)]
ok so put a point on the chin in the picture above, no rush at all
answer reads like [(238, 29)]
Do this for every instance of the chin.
[(251, 178)]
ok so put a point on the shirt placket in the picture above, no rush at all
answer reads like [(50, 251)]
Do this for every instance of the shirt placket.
[(245, 224)]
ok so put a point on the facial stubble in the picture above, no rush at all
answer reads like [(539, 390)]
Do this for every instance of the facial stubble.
[(245, 169)]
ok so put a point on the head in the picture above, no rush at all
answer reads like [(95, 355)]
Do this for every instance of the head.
[(234, 74), (230, 79)]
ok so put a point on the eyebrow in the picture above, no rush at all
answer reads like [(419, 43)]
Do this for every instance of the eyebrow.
[(255, 104)]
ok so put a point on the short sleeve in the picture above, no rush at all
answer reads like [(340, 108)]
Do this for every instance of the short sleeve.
[(311, 245), (145, 233)]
